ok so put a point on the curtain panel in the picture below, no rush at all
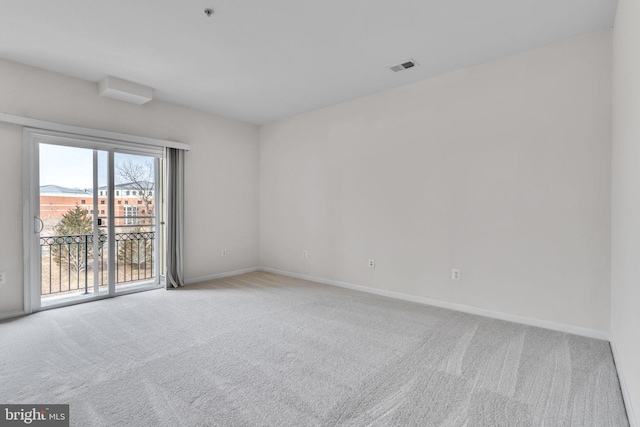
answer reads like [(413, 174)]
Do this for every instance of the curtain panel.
[(175, 217)]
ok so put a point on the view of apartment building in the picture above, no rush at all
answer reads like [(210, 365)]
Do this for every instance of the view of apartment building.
[(132, 202)]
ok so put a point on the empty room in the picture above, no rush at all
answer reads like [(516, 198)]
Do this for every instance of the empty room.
[(337, 213)]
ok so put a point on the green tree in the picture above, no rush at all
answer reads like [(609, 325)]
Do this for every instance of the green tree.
[(74, 244)]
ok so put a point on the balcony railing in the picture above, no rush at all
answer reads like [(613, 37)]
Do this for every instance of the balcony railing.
[(68, 261)]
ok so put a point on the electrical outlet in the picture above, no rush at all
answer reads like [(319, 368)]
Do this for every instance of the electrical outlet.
[(455, 274), (372, 263), (305, 254), (223, 252), (3, 278)]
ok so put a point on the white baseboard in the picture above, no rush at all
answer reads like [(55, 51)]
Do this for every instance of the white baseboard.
[(530, 321), (220, 275), (11, 314), (623, 384)]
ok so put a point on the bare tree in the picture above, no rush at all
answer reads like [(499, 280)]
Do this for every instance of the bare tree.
[(141, 178), (136, 247)]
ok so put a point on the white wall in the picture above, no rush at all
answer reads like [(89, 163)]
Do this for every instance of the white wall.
[(625, 220), (501, 170), (221, 168)]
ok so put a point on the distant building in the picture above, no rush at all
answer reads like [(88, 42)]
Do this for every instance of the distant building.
[(56, 200), (131, 203)]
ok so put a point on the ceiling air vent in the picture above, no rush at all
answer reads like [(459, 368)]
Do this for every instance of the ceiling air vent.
[(410, 63)]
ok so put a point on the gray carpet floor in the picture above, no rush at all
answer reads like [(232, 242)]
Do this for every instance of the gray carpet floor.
[(266, 350)]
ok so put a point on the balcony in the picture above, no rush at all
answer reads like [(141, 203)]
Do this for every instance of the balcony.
[(69, 265)]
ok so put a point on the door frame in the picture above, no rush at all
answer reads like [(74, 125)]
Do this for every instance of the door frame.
[(31, 180)]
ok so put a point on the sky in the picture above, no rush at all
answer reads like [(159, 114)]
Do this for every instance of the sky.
[(72, 167)]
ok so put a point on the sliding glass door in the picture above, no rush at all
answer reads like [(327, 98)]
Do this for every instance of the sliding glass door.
[(94, 214), (135, 221), (73, 236)]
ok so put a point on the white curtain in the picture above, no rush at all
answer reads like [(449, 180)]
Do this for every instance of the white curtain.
[(175, 217)]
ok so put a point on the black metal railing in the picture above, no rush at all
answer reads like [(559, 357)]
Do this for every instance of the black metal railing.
[(69, 263)]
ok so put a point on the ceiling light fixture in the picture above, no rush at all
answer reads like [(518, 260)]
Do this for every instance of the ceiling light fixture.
[(208, 11)]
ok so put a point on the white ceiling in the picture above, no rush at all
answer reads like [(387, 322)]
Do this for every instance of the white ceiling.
[(259, 61)]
